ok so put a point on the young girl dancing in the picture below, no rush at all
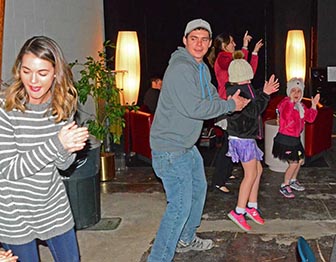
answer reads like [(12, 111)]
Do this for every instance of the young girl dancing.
[(244, 128), (287, 145), (220, 58)]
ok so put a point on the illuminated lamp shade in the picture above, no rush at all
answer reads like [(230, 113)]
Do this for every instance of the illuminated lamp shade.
[(295, 55), (127, 66)]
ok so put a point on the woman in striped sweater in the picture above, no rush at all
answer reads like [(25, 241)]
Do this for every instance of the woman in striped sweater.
[(38, 137)]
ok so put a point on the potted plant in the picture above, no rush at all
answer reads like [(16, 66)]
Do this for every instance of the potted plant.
[(98, 81)]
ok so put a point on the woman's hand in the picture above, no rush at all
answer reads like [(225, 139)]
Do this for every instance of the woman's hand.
[(246, 39), (258, 45), (7, 256), (271, 86), (72, 137), (315, 101)]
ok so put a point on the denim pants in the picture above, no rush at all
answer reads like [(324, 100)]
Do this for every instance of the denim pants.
[(63, 248), (183, 177)]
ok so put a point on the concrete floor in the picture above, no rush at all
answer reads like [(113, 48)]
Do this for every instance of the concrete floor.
[(137, 197)]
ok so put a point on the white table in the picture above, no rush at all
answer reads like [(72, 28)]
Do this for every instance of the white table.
[(274, 164)]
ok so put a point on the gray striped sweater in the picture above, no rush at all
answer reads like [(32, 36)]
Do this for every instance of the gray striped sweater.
[(33, 199)]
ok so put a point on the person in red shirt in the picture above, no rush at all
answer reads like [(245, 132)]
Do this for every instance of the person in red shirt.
[(219, 58), (287, 144), (221, 53)]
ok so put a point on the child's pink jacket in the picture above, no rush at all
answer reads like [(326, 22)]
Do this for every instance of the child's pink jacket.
[(290, 123)]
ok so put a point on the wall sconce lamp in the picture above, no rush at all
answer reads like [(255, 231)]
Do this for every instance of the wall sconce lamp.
[(127, 61), (295, 55)]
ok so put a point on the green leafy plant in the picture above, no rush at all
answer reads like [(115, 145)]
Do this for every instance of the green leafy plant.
[(98, 81)]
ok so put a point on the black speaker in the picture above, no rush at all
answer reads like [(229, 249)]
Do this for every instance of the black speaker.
[(321, 85)]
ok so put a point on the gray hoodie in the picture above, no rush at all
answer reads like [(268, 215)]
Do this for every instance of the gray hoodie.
[(187, 98)]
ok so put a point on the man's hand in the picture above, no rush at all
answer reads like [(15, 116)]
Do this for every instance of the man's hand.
[(240, 102)]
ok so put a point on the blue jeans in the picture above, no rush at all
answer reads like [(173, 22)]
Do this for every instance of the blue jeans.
[(63, 248), (183, 177)]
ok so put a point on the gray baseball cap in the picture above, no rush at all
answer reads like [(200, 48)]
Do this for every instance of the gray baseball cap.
[(197, 23)]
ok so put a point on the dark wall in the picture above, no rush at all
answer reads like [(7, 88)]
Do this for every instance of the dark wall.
[(326, 53), (326, 33), (316, 19), (290, 15), (160, 26)]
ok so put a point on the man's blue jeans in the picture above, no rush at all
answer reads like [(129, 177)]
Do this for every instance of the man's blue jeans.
[(63, 248), (183, 177)]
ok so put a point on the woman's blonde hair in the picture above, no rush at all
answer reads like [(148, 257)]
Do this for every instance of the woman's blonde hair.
[(64, 95)]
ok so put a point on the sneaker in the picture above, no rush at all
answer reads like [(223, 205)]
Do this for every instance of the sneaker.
[(296, 186), (198, 244), (254, 214), (239, 220), (286, 191)]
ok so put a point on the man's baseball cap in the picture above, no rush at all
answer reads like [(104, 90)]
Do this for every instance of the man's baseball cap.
[(197, 23)]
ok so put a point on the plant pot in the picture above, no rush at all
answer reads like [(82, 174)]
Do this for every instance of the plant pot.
[(82, 183), (107, 166)]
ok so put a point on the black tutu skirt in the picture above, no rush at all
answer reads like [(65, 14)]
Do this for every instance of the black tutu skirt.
[(287, 148)]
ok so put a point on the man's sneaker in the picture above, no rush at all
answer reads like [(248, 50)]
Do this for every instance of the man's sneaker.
[(198, 244), (296, 185), (239, 220), (286, 191), (253, 214)]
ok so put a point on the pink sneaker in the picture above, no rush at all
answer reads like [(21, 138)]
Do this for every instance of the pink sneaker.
[(239, 220), (253, 214), (286, 191)]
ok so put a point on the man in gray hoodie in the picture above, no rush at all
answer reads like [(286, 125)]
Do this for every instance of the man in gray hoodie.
[(187, 99)]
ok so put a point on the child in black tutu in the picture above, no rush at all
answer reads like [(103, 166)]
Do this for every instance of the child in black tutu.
[(287, 144)]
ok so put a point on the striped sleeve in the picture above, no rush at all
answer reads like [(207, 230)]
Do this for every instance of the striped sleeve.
[(25, 156)]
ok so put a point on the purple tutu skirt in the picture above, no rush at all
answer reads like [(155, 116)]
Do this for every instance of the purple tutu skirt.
[(244, 150)]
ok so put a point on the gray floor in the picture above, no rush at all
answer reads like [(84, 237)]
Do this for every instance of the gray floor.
[(137, 197)]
